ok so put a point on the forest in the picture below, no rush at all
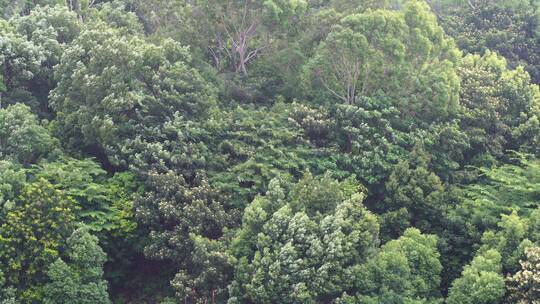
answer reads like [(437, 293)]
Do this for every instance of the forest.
[(269, 151)]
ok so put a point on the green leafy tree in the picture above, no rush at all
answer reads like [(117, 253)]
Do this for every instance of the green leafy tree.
[(106, 208), (10, 8), (499, 106), (361, 137), (245, 155), (355, 5), (32, 234), (20, 62), (80, 279), (50, 29), (447, 146), (480, 282), (114, 13), (510, 241), (404, 55), (476, 215), (406, 270), (500, 191), (101, 101), (235, 32), (103, 205), (22, 137), (7, 294), (210, 268), (306, 246), (12, 180)]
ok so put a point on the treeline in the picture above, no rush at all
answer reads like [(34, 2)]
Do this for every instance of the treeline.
[(276, 151)]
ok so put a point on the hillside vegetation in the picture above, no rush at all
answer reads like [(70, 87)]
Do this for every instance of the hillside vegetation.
[(269, 151)]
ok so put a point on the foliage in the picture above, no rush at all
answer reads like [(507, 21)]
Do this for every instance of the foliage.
[(183, 219), (22, 137), (101, 102), (524, 286), (509, 27), (361, 137), (248, 154), (16, 7), (32, 234), (235, 32), (499, 106), (406, 270), (80, 279), (101, 201), (12, 180), (260, 151), (20, 61), (420, 192), (401, 54), (501, 190), (510, 241), (481, 281), (317, 247)]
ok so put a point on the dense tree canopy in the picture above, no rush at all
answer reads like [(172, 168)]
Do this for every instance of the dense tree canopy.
[(269, 151)]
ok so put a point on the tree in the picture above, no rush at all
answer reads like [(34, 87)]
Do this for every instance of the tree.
[(9, 8), (480, 282), (362, 138), (306, 251), (22, 138), (406, 270), (237, 31), (50, 29), (32, 234), (404, 55), (245, 154), (484, 214), (20, 61), (524, 286), (502, 190), (508, 27), (348, 6), (7, 294), (510, 241), (97, 195), (101, 103), (12, 180), (499, 107), (78, 281), (183, 220), (412, 186), (113, 13)]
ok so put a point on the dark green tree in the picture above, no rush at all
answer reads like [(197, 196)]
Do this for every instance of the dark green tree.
[(499, 107), (183, 221), (412, 186), (508, 27)]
